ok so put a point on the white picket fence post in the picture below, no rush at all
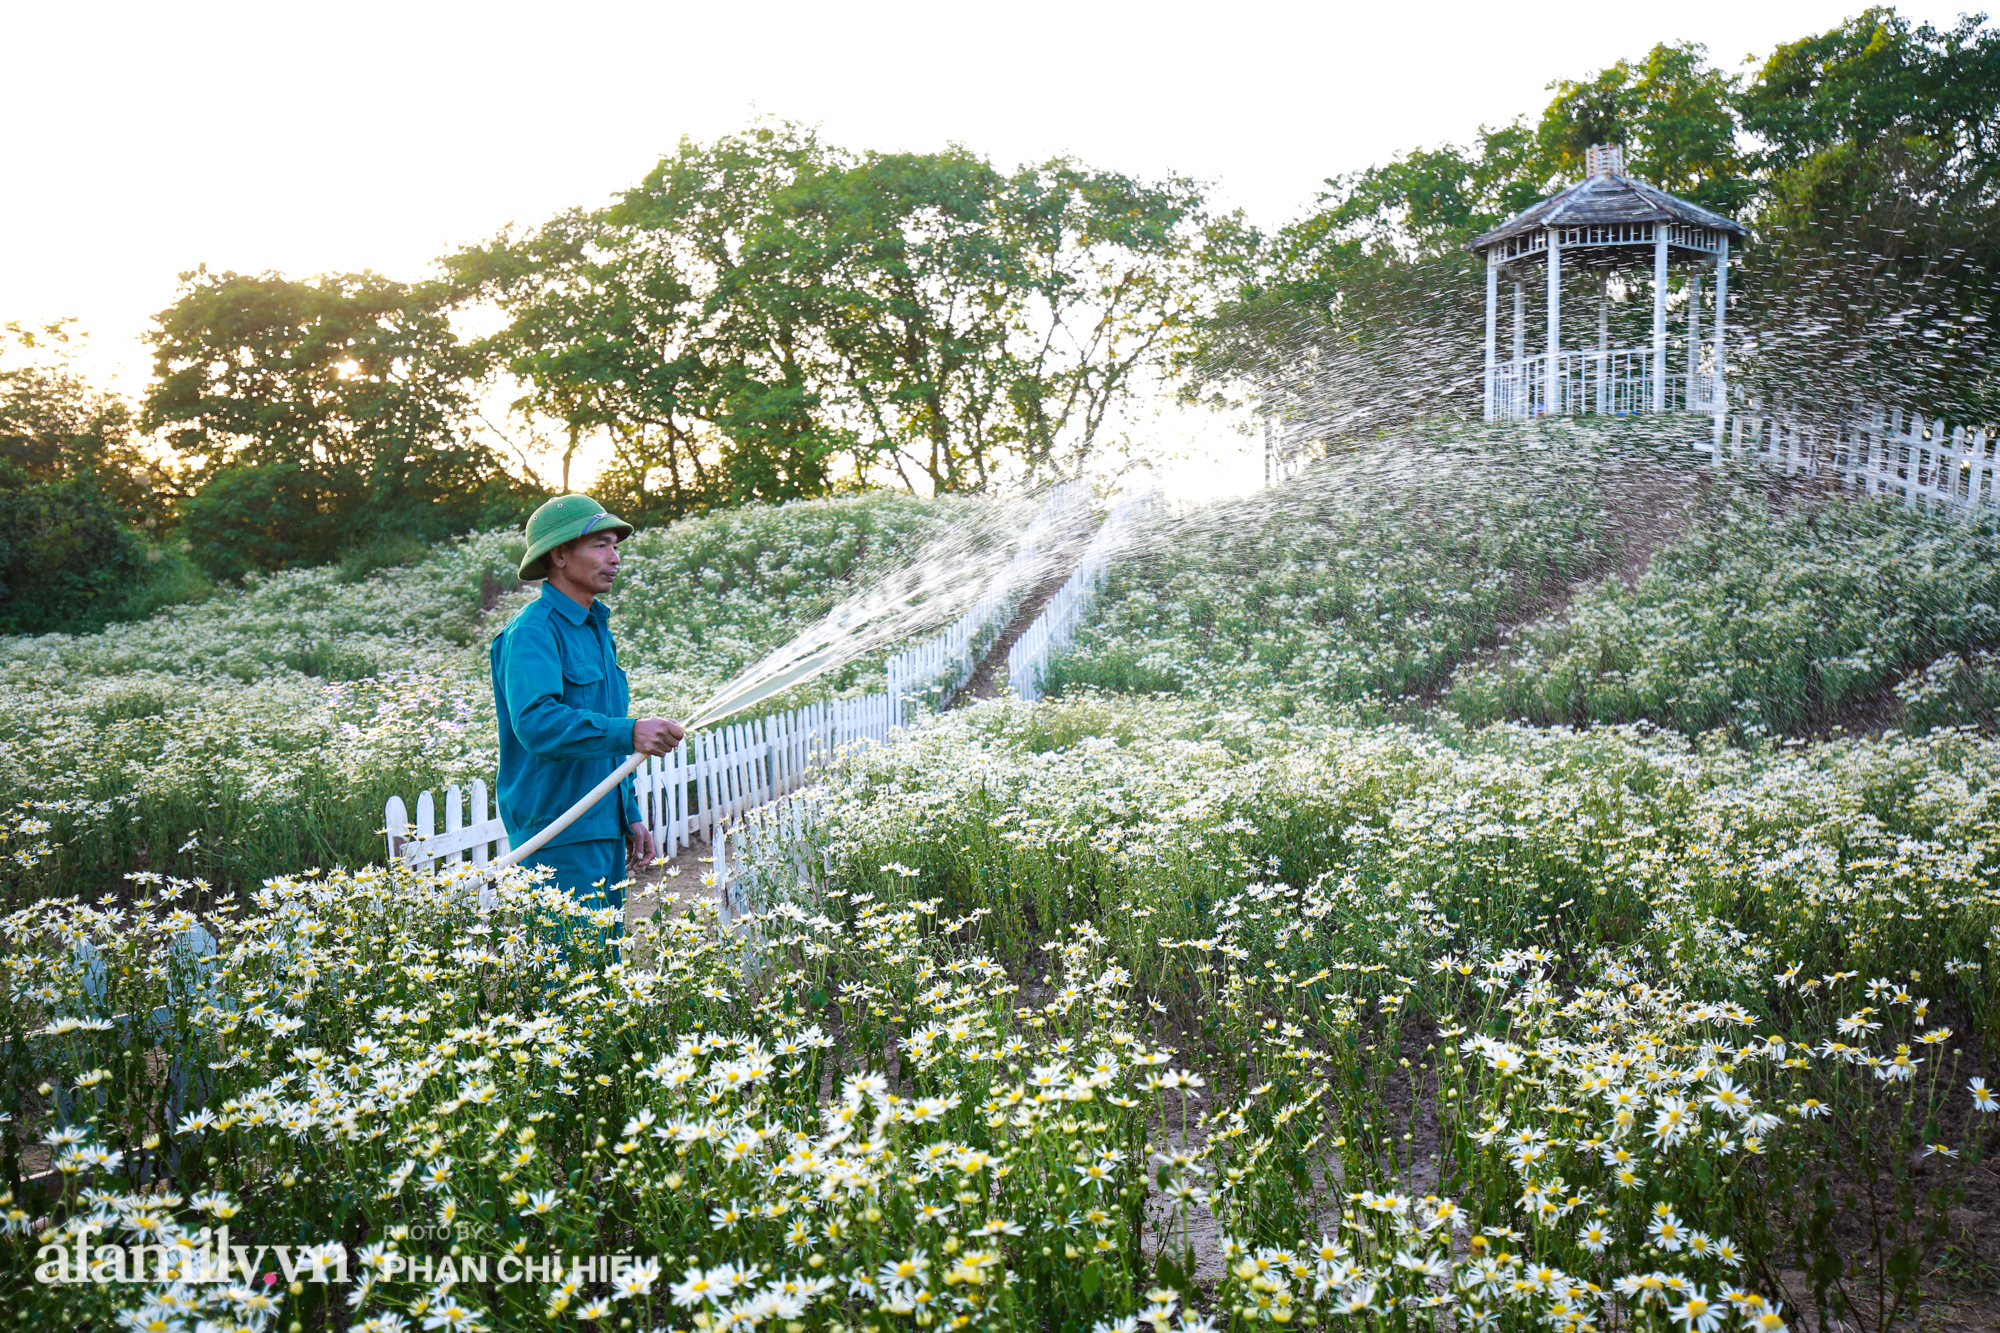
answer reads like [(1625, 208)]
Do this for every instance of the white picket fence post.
[(769, 847), (477, 838), (712, 778)]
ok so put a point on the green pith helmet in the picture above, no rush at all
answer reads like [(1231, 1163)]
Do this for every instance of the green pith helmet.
[(564, 519)]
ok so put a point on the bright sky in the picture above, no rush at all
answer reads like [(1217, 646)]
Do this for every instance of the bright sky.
[(146, 138)]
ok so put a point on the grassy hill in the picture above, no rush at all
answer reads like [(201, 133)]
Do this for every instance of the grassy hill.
[(1561, 576), (1410, 915)]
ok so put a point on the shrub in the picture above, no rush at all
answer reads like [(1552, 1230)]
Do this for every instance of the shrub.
[(67, 557)]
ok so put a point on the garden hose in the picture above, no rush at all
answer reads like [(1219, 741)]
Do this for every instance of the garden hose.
[(571, 815)]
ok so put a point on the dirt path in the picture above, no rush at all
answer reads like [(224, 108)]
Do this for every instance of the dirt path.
[(1648, 506), (1645, 506), (686, 877), (985, 681)]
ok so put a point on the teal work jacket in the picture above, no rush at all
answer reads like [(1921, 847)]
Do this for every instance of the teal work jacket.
[(562, 700)]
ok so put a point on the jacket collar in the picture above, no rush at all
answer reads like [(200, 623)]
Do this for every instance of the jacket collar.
[(566, 606)]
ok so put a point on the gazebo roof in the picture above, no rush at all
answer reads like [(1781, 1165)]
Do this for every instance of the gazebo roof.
[(1607, 199)]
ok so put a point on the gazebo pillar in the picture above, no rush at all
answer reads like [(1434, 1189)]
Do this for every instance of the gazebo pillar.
[(1616, 223), (1492, 328), (1603, 341), (1517, 383), (1721, 315), (1660, 230), (1694, 335), (1552, 394)]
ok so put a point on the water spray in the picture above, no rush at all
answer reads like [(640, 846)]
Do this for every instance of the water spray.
[(924, 592)]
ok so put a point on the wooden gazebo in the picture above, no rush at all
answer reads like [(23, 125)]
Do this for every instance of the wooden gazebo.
[(1605, 222)]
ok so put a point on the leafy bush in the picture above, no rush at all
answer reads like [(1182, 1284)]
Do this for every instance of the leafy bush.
[(77, 490), (1954, 691), (67, 557), (284, 516)]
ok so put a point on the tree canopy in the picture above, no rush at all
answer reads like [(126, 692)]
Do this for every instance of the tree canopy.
[(768, 316), (762, 317), (313, 417)]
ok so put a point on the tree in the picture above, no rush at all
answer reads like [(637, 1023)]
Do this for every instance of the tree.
[(748, 364), (314, 417), (75, 490), (1876, 78), (653, 322), (983, 324), (1885, 135), (1877, 273), (1673, 111), (56, 426), (766, 316), (1361, 308), (912, 284)]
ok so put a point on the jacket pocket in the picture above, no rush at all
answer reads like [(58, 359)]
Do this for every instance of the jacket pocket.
[(579, 672), (583, 685)]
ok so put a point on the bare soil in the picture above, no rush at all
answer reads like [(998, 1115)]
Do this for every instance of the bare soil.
[(985, 681), (676, 884), (1646, 506)]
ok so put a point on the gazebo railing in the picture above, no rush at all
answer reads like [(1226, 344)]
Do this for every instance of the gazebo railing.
[(1614, 382)]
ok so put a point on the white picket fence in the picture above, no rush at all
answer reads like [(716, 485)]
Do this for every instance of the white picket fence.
[(1056, 625), (1878, 451), (712, 778), (930, 673)]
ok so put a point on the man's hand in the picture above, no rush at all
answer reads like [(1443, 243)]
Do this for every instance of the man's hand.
[(639, 847), (656, 735)]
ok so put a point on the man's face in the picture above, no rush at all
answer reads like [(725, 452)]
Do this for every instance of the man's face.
[(589, 563)]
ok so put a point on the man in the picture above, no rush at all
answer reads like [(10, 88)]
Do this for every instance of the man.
[(562, 699)]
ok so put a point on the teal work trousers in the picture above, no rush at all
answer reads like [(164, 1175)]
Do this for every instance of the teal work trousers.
[(590, 870)]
